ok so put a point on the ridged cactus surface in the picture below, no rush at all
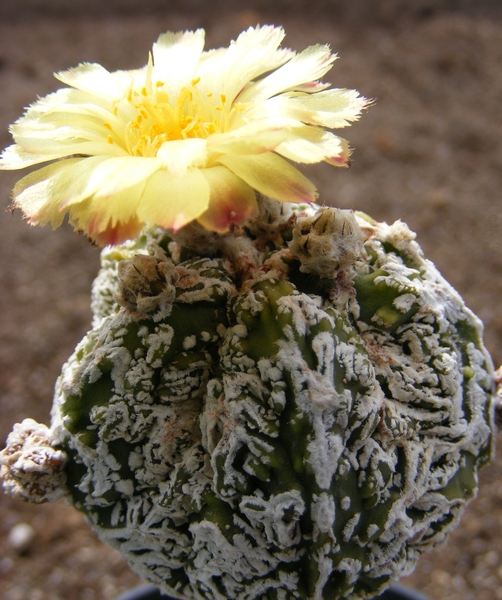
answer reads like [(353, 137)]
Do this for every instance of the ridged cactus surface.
[(277, 413)]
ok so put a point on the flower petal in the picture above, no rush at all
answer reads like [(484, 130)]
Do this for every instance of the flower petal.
[(179, 155), (16, 157), (86, 178), (67, 104), (231, 200), (334, 108), (118, 233), (172, 202), (62, 134), (272, 176), (92, 78), (62, 185), (342, 159), (176, 55), (311, 145), (56, 127), (49, 149), (112, 221), (119, 173), (309, 65), (254, 52), (331, 110), (253, 138), (38, 194)]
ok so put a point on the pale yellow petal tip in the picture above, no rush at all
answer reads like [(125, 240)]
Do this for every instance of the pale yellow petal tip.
[(192, 136)]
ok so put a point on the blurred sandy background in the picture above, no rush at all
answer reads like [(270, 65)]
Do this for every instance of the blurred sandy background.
[(429, 152)]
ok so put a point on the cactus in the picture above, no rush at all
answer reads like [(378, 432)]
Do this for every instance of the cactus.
[(277, 401), (295, 409)]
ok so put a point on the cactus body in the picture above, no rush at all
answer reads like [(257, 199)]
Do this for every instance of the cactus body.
[(271, 416)]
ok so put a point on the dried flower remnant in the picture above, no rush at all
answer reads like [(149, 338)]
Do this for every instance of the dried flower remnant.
[(30, 466), (191, 136), (327, 241), (145, 283)]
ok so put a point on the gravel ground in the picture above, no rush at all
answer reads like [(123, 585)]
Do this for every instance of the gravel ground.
[(429, 152)]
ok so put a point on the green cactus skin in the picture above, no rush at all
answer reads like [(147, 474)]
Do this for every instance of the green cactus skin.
[(274, 433)]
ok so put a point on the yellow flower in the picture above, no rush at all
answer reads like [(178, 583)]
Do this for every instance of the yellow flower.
[(191, 136)]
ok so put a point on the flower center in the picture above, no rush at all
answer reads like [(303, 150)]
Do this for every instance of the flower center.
[(158, 120)]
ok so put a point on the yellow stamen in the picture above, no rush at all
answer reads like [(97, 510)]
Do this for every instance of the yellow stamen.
[(179, 108), (109, 139), (108, 126), (162, 98), (195, 81)]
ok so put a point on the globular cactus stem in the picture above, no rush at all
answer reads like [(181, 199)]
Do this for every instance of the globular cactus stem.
[(297, 409)]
